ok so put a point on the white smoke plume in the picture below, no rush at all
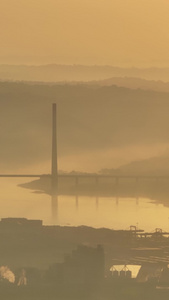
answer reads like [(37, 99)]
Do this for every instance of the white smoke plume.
[(6, 273)]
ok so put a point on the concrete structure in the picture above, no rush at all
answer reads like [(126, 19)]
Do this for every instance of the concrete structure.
[(85, 266), (54, 170), (20, 222), (97, 177)]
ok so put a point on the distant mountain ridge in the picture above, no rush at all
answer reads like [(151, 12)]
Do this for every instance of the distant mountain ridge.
[(102, 124), (54, 72), (121, 82), (135, 83)]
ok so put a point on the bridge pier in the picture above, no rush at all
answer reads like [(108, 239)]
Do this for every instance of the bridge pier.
[(76, 192), (97, 203), (54, 207), (117, 187), (137, 179), (137, 201), (76, 181), (97, 192), (97, 181), (77, 202)]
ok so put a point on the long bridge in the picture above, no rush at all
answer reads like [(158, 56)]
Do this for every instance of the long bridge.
[(96, 177)]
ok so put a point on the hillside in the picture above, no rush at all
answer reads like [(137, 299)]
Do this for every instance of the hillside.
[(158, 166), (97, 126), (55, 73), (135, 83)]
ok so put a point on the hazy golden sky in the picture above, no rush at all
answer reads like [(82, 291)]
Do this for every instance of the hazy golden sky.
[(117, 32)]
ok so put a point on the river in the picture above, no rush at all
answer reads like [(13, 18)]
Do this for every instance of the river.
[(109, 212)]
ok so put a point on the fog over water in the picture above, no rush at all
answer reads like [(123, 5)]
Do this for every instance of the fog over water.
[(110, 212), (99, 128), (84, 117)]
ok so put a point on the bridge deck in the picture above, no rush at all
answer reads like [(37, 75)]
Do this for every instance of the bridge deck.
[(90, 176)]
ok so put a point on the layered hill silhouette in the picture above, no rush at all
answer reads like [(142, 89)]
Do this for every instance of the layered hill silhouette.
[(135, 83), (91, 120), (55, 73), (154, 166)]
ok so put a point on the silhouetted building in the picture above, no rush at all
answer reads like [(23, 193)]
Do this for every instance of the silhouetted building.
[(149, 272), (164, 277), (20, 222), (54, 274), (85, 266)]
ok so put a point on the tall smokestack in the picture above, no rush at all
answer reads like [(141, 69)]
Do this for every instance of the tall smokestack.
[(54, 171)]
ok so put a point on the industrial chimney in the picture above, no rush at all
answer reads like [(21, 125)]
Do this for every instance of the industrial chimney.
[(54, 171)]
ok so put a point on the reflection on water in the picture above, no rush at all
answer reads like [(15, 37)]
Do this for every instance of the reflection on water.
[(54, 208), (110, 212)]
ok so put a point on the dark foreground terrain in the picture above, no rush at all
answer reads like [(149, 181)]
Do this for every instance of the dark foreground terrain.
[(116, 291), (49, 264)]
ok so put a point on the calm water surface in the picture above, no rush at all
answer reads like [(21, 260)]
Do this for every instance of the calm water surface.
[(97, 212)]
